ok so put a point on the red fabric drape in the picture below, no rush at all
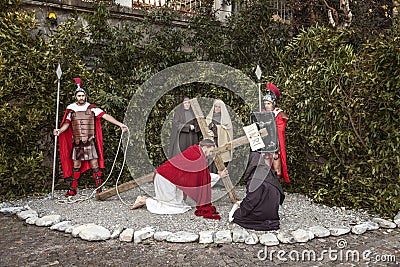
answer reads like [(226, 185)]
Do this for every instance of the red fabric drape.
[(188, 171), (281, 125)]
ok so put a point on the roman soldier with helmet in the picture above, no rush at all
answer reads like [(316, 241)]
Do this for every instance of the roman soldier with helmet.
[(81, 139), (281, 118)]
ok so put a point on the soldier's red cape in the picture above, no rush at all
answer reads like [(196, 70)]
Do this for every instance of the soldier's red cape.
[(281, 125), (189, 172), (65, 145)]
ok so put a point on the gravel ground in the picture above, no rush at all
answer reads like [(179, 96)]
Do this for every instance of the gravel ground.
[(296, 212)]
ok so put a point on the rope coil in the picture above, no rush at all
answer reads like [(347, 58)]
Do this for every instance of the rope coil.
[(69, 200)]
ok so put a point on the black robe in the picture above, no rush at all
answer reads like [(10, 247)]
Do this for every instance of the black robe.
[(182, 136), (264, 194)]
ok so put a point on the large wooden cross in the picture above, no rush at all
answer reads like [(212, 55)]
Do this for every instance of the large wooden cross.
[(219, 163), (217, 160)]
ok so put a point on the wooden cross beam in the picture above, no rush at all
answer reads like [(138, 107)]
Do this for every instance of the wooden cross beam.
[(218, 162), (239, 142), (149, 177), (125, 187)]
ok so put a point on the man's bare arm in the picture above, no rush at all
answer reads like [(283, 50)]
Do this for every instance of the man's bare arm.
[(61, 130), (114, 121)]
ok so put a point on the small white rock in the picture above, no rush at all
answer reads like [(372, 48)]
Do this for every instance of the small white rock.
[(61, 226), (76, 230), (302, 236), (338, 231), (25, 214), (384, 223), (370, 225), (206, 237), (223, 236), (12, 210), (239, 235), (320, 231), (286, 238), (269, 239), (182, 237), (94, 233), (32, 220), (359, 229), (396, 219), (126, 235), (143, 234), (48, 220), (251, 239), (117, 231), (161, 236)]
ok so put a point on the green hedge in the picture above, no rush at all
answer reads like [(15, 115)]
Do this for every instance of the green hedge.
[(23, 108), (343, 135)]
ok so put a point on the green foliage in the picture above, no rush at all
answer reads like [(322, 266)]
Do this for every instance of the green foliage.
[(28, 101), (23, 108), (206, 37), (339, 88), (246, 39), (252, 37), (343, 131), (10, 5), (377, 17), (368, 20)]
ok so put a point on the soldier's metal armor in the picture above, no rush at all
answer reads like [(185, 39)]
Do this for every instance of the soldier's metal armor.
[(83, 126)]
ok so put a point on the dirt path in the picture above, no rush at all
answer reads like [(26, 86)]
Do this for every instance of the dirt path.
[(27, 245)]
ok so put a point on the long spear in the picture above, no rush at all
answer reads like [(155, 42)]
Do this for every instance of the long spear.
[(58, 72), (258, 74)]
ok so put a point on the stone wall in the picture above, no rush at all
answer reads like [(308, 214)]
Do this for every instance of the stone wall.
[(64, 9)]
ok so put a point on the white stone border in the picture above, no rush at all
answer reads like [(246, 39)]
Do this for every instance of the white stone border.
[(93, 232)]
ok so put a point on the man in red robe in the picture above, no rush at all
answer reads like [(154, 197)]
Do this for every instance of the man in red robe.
[(186, 174), (81, 145)]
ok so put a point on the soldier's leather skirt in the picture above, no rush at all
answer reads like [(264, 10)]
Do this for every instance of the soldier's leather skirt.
[(84, 151)]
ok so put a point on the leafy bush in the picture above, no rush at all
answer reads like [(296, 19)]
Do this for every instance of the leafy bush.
[(343, 133), (28, 100), (22, 105)]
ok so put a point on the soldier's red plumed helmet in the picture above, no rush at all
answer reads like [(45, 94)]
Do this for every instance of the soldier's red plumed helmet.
[(272, 87), (79, 88)]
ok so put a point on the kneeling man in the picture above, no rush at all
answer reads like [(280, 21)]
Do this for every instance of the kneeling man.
[(186, 174), (259, 209)]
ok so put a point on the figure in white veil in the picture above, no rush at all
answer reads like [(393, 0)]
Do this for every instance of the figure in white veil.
[(220, 125)]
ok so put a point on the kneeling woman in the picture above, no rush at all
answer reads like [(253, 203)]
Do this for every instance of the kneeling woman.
[(259, 209)]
